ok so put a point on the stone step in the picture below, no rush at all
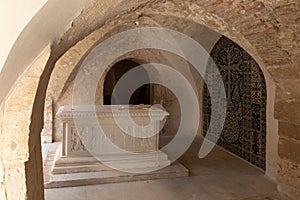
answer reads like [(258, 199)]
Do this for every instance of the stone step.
[(109, 158), (90, 164), (112, 176), (79, 169)]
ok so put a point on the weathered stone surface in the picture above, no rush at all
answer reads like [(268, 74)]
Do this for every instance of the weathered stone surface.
[(15, 129), (289, 179), (285, 12), (266, 197), (289, 173), (289, 130), (23, 95), (284, 72), (1, 172), (288, 90), (288, 111), (289, 150), (15, 144), (289, 192), (47, 131), (2, 192), (15, 181), (2, 188)]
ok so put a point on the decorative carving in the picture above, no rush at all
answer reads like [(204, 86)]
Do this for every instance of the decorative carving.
[(70, 112), (244, 131), (75, 140), (90, 137)]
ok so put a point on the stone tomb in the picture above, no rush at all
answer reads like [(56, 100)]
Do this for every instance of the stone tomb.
[(86, 132), (127, 143)]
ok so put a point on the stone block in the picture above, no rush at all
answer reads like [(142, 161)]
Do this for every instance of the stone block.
[(289, 173), (289, 130), (284, 72), (15, 181), (288, 111), (288, 176), (289, 150), (38, 66), (275, 56), (254, 7), (23, 95), (286, 13), (288, 90), (287, 36), (15, 134), (289, 192)]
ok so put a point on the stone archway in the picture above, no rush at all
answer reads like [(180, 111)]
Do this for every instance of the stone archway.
[(244, 131)]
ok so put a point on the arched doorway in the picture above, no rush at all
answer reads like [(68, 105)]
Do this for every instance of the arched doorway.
[(244, 131), (140, 96)]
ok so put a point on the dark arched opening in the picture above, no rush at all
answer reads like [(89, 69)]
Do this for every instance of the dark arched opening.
[(140, 96)]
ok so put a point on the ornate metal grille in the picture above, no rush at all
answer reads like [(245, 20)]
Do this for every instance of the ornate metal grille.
[(244, 132)]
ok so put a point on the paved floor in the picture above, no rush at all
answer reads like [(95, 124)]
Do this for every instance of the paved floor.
[(220, 176)]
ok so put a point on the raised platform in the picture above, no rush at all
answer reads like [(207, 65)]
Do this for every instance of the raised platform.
[(81, 171), (112, 176), (137, 162)]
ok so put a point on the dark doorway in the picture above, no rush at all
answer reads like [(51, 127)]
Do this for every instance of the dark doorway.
[(140, 96)]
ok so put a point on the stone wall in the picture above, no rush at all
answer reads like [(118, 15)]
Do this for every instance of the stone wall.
[(289, 147), (20, 162), (47, 132)]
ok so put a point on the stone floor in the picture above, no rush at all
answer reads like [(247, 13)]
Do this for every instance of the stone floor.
[(220, 176)]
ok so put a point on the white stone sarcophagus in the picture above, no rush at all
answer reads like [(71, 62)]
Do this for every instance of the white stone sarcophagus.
[(82, 137)]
